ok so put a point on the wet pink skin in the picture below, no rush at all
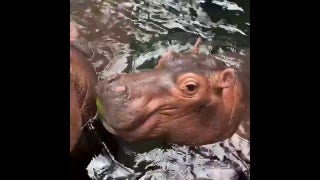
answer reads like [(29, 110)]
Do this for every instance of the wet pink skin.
[(73, 32)]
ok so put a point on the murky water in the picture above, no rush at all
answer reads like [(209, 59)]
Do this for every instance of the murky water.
[(130, 35)]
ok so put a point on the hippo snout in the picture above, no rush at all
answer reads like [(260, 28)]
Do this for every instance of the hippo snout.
[(125, 101), (112, 87), (113, 97)]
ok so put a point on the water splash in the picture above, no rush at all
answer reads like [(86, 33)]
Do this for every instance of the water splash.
[(159, 49), (214, 161), (103, 168), (228, 5)]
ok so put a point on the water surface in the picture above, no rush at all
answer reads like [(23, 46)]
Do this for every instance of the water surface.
[(130, 35)]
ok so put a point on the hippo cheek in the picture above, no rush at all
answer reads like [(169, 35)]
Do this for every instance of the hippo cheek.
[(195, 126)]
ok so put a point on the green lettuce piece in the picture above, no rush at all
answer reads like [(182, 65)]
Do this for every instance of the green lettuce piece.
[(99, 107)]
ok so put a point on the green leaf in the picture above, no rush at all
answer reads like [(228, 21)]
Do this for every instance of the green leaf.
[(99, 107)]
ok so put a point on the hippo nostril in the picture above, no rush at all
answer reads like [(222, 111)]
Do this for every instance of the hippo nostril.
[(112, 78), (119, 89)]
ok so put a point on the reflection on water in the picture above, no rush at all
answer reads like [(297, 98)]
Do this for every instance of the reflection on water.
[(129, 35), (228, 160), (126, 35)]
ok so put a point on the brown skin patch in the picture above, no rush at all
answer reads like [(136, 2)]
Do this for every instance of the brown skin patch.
[(189, 99), (84, 79), (75, 118)]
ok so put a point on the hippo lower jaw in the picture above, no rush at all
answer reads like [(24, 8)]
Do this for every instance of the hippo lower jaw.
[(137, 130), (144, 126)]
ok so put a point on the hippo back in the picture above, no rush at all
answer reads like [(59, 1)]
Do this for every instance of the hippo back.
[(84, 79)]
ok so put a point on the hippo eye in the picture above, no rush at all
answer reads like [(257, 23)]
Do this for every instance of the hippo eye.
[(190, 87), (188, 84)]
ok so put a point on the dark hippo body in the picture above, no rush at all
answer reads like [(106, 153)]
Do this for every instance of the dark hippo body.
[(75, 118), (84, 141), (83, 79), (189, 99), (82, 108)]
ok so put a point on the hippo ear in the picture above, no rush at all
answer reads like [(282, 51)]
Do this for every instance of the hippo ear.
[(227, 78)]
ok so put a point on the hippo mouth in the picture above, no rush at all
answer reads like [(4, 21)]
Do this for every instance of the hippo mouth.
[(136, 128), (130, 125), (134, 124)]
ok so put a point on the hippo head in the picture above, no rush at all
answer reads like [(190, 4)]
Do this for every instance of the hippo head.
[(189, 99)]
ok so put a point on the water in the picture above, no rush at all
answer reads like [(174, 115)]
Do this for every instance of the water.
[(132, 35), (227, 160), (123, 36)]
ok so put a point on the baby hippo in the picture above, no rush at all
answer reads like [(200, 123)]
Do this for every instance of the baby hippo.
[(188, 99)]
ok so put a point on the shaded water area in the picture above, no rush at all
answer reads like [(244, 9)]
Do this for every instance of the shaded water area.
[(125, 36)]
